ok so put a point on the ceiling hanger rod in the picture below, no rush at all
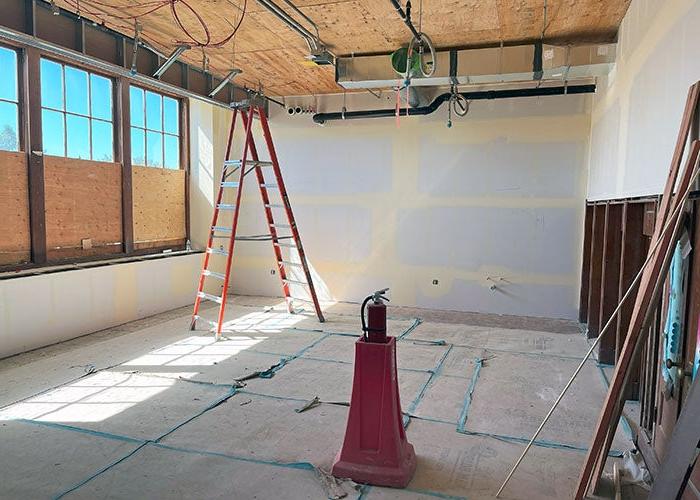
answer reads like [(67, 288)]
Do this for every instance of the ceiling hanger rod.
[(406, 17)]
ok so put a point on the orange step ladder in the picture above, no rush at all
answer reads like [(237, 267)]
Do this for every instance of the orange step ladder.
[(250, 162)]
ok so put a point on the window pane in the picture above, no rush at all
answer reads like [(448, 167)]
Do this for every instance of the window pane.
[(78, 137), (138, 146), (8, 83), (102, 141), (172, 152), (137, 109), (52, 132), (101, 97), (154, 149), (9, 129), (154, 113), (171, 117), (51, 84), (76, 91)]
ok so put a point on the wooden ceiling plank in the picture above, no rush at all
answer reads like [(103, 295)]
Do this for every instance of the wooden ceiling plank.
[(271, 53)]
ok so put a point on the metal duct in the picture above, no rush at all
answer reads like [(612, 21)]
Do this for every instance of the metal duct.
[(518, 63)]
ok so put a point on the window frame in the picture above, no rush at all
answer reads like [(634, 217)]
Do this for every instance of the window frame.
[(21, 115), (114, 105), (29, 105), (181, 135)]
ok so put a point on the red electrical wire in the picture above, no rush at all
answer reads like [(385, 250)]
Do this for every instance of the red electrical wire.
[(208, 43), (182, 26), (153, 6)]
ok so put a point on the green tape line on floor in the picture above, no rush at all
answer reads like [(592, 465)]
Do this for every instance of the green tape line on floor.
[(408, 330), (479, 362), (433, 375)]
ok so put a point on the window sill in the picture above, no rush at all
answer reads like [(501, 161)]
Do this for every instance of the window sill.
[(58, 268)]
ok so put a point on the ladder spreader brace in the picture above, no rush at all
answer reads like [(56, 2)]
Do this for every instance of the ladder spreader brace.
[(250, 162)]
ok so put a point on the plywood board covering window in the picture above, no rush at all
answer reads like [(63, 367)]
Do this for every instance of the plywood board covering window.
[(14, 200), (83, 202), (159, 207)]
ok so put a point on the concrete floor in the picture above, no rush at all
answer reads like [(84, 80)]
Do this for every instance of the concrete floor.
[(152, 410)]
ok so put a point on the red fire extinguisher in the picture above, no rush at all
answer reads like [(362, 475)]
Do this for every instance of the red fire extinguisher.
[(374, 329)]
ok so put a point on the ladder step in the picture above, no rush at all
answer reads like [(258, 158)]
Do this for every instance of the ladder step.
[(281, 226), (221, 229), (206, 320), (237, 163), (217, 251), (285, 245), (266, 185), (213, 274), (227, 184), (273, 205), (295, 282), (213, 298), (226, 206), (299, 299), (287, 263)]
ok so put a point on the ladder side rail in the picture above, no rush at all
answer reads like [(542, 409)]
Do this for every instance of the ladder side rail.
[(270, 223), (288, 210), (215, 217), (234, 226)]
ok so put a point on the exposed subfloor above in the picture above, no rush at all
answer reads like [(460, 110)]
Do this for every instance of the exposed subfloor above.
[(151, 410)]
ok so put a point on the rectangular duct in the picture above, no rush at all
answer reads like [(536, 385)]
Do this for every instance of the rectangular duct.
[(520, 63)]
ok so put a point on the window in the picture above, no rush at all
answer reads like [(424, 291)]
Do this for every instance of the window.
[(76, 113), (9, 101), (155, 129)]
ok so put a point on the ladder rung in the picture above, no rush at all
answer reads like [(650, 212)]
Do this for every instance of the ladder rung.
[(285, 245), (221, 229), (210, 322), (273, 205), (281, 226), (266, 185), (287, 263), (295, 282), (226, 206), (237, 163), (228, 184), (217, 251), (213, 274), (207, 296)]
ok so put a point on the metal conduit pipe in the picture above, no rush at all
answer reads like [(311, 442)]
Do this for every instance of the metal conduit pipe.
[(405, 17), (308, 19), (278, 12), (321, 118), (98, 64)]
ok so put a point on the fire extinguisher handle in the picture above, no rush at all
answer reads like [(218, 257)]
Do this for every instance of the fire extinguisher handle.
[(379, 295), (377, 298)]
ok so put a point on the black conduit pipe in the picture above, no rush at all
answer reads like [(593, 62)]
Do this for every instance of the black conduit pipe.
[(322, 118), (406, 17)]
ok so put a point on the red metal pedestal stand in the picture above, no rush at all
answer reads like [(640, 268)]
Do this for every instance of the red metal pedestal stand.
[(375, 450)]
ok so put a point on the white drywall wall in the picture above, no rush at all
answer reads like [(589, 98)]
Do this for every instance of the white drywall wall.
[(495, 200), (638, 108), (40, 310)]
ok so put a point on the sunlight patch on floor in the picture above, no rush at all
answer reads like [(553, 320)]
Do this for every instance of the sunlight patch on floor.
[(91, 399)]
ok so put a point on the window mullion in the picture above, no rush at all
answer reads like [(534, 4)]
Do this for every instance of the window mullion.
[(65, 120), (162, 132), (89, 113)]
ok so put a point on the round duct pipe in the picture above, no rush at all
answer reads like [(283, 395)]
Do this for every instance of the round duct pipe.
[(471, 96)]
